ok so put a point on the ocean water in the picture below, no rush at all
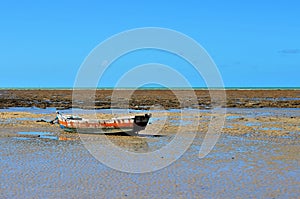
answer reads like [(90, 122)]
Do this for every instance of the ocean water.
[(153, 88)]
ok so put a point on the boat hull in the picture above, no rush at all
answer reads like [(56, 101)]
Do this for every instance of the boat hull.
[(116, 125)]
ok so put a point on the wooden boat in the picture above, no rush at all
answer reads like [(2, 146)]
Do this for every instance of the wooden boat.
[(71, 123)]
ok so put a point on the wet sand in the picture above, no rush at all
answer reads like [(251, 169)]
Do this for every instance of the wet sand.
[(257, 156), (236, 168)]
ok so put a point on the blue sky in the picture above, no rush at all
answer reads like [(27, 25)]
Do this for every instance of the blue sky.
[(253, 43)]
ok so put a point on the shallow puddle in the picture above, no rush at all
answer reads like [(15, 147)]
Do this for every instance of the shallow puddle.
[(42, 135)]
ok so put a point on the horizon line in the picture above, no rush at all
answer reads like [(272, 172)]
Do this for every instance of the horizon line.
[(155, 88)]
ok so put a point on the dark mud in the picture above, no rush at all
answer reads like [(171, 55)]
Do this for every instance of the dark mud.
[(143, 99)]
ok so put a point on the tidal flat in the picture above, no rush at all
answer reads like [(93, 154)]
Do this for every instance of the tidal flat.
[(256, 156)]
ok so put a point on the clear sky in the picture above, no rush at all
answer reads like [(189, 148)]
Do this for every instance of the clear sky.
[(253, 43)]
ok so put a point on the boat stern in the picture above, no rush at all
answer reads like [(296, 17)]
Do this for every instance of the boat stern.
[(140, 122)]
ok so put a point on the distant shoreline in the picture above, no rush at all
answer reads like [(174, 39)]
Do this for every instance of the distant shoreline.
[(145, 98), (153, 88)]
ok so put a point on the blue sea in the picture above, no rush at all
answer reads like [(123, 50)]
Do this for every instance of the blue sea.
[(153, 88)]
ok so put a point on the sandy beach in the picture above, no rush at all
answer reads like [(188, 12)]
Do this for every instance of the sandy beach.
[(257, 154)]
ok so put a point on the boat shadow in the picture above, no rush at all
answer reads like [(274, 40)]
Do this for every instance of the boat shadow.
[(133, 133)]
